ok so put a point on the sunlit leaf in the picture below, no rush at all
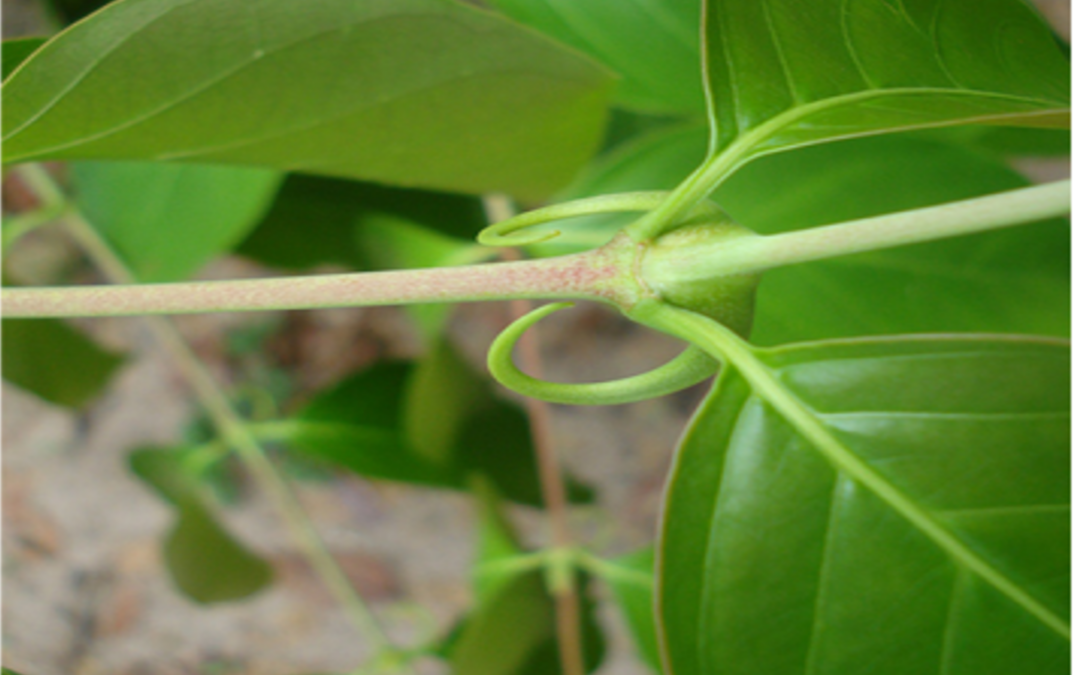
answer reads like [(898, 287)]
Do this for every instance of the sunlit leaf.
[(205, 561), (652, 45), (883, 506), (428, 93), (168, 220), (783, 73)]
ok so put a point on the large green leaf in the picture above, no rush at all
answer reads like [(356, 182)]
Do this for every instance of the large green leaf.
[(168, 220), (54, 361), (416, 92), (205, 561), (653, 45), (1013, 280), (879, 506), (783, 73)]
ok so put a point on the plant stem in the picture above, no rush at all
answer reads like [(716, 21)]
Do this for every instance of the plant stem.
[(233, 431), (751, 254), (553, 489), (581, 276)]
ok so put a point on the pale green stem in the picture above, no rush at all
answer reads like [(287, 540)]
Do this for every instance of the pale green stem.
[(751, 254), (52, 206), (233, 431), (609, 571), (581, 276), (560, 581)]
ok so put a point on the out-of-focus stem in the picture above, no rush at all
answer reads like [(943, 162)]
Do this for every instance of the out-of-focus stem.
[(553, 489)]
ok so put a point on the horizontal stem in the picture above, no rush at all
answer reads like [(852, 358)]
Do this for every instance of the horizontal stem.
[(726, 256), (582, 276)]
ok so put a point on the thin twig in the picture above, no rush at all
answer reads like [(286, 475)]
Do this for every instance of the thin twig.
[(553, 489), (230, 427)]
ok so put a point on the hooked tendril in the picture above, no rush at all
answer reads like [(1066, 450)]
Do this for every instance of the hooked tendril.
[(508, 232), (687, 369)]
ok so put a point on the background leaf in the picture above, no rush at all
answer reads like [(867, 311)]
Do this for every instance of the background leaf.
[(436, 93), (54, 361), (205, 561), (373, 424), (775, 561), (630, 578), (1013, 280), (168, 220), (511, 630), (831, 69), (652, 45), (313, 220), (17, 50)]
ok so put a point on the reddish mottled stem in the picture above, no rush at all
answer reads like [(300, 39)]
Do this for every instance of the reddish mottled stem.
[(590, 276)]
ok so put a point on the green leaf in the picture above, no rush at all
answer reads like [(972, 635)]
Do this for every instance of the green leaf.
[(205, 561), (443, 392), (54, 361), (168, 220), (1006, 141), (313, 219), (421, 92), (880, 506), (630, 579), (652, 45), (1013, 280), (358, 425), (784, 73), (374, 425), (17, 50)]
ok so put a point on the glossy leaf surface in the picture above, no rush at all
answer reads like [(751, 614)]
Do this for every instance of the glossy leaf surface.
[(419, 92), (936, 540), (800, 71), (168, 220), (54, 361), (652, 45), (1013, 280), (205, 561)]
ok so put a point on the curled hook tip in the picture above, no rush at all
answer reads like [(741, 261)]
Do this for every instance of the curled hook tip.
[(688, 368)]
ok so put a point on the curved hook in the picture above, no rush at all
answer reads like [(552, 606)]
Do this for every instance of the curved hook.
[(687, 369), (503, 233)]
